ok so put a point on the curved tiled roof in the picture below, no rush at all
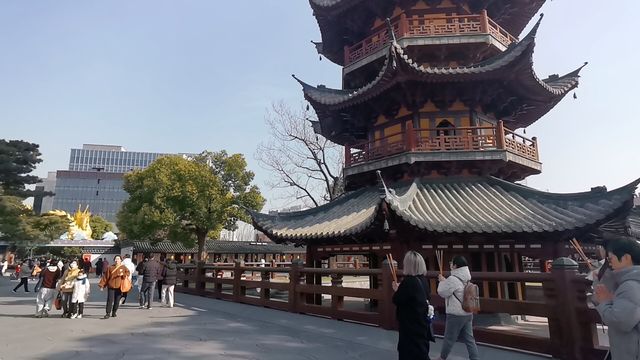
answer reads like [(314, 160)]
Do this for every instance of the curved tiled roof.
[(214, 246), (539, 95), (492, 205), (348, 215), (453, 205)]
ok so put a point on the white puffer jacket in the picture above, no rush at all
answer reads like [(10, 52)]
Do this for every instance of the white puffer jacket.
[(451, 285)]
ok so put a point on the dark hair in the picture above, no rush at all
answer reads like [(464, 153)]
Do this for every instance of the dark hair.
[(625, 245), (459, 261), (114, 258), (127, 256)]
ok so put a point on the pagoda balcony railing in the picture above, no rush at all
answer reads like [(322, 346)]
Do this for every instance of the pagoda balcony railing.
[(425, 26), (473, 138)]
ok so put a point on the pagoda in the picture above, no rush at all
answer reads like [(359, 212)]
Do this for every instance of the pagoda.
[(435, 95)]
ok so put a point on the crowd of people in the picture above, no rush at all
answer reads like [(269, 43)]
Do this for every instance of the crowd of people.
[(616, 283), (67, 283)]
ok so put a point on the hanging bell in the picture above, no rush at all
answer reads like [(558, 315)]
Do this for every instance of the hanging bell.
[(525, 131), (385, 226)]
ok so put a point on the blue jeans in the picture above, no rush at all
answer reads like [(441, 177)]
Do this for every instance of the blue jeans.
[(459, 328), (146, 293)]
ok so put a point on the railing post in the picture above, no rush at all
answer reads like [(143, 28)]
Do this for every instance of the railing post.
[(185, 279), (295, 278), (564, 325), (500, 135), (238, 292), (385, 304), (484, 22), (337, 301), (403, 27), (534, 140), (265, 276), (201, 278)]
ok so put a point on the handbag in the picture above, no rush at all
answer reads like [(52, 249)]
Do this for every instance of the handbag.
[(103, 282), (125, 285), (58, 302)]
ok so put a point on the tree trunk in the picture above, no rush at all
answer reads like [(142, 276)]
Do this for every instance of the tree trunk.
[(202, 252)]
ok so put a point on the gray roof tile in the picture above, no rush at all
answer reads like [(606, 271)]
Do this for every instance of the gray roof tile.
[(452, 205)]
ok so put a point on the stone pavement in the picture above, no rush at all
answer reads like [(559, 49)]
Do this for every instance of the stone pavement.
[(197, 328)]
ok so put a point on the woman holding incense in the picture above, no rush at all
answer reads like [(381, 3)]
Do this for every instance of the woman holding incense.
[(411, 298)]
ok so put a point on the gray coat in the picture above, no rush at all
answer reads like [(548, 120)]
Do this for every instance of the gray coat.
[(622, 315)]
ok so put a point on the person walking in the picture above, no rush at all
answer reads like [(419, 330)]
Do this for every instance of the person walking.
[(66, 287), (86, 266), (46, 289), (459, 323), (5, 266), (132, 268), (111, 280), (81, 291), (25, 273), (619, 309), (150, 272), (411, 298), (99, 267), (170, 278)]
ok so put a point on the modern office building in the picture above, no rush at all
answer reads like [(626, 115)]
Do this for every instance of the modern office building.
[(95, 178), (43, 204), (109, 158)]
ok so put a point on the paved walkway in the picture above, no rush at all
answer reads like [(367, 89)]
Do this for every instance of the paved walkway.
[(197, 328)]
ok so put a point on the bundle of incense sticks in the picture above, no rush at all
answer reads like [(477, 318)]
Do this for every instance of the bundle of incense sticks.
[(393, 269), (440, 257), (576, 245)]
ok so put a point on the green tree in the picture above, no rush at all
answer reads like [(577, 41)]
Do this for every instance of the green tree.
[(51, 226), (99, 226), (17, 160), (184, 200)]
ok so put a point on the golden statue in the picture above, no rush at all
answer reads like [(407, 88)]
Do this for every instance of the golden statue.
[(79, 228)]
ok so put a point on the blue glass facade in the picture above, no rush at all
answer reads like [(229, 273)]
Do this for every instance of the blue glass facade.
[(110, 159), (95, 178)]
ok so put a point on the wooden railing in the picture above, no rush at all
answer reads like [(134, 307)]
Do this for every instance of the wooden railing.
[(473, 138), (562, 300), (422, 26)]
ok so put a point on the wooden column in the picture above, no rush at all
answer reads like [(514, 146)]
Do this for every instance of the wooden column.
[(500, 135), (484, 22)]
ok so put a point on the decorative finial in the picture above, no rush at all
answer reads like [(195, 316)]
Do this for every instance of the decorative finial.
[(392, 35)]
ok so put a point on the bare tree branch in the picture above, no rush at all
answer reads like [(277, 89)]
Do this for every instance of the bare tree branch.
[(307, 164)]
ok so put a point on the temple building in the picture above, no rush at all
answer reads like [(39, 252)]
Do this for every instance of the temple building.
[(435, 96)]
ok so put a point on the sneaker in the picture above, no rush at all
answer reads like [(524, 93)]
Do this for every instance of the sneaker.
[(122, 300), (14, 291), (149, 308), (45, 313), (106, 316), (79, 316), (141, 307), (38, 316), (74, 316), (114, 315), (27, 291)]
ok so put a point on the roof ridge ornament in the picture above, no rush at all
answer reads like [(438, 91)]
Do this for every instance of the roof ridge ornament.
[(392, 35)]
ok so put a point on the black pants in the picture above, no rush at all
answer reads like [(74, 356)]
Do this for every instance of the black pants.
[(146, 294), (23, 281), (66, 303), (159, 286), (77, 308), (113, 301)]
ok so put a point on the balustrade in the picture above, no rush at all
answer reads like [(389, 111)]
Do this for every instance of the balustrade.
[(473, 138), (563, 302), (428, 25)]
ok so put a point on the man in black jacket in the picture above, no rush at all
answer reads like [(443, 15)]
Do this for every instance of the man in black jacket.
[(150, 273)]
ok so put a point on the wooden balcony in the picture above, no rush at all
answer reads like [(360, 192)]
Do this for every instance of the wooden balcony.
[(474, 138), (426, 26)]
